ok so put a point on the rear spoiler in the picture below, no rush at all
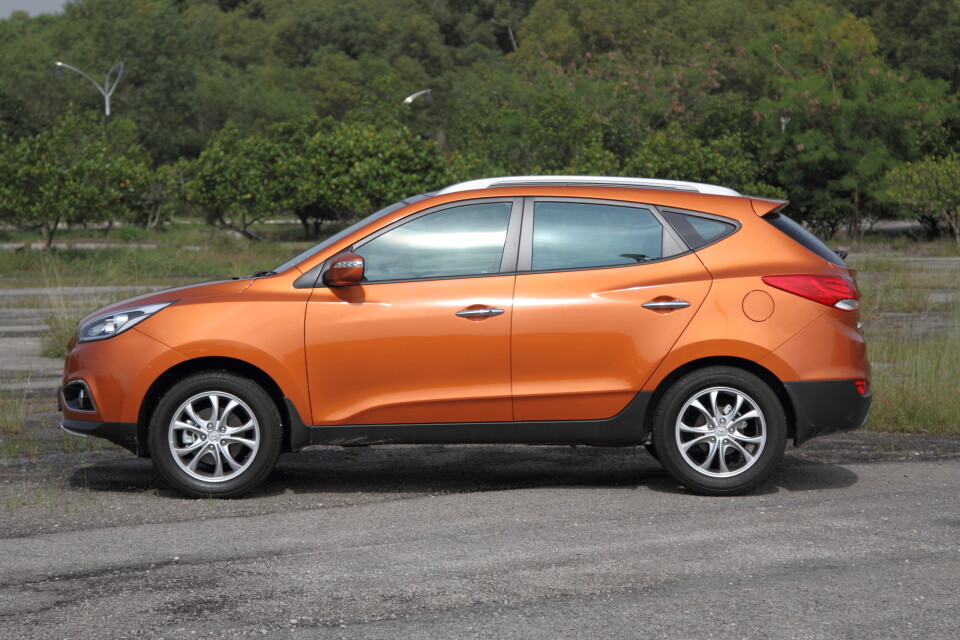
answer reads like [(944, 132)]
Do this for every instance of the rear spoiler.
[(763, 207)]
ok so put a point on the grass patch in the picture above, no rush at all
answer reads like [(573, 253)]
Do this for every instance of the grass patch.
[(911, 311), (916, 379), (165, 264), (13, 412), (19, 446)]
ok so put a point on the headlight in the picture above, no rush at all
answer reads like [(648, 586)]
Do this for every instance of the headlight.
[(117, 322)]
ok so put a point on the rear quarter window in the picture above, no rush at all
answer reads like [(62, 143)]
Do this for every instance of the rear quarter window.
[(699, 231), (800, 235)]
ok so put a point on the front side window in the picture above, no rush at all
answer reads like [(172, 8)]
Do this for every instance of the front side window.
[(573, 235), (461, 241)]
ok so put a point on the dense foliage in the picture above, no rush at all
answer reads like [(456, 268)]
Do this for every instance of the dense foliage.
[(246, 110)]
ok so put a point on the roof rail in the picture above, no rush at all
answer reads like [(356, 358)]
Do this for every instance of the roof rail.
[(590, 181)]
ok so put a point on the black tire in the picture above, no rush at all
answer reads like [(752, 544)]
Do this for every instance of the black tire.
[(701, 440), (222, 458)]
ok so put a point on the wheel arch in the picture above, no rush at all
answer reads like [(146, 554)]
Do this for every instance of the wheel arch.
[(197, 365), (728, 361)]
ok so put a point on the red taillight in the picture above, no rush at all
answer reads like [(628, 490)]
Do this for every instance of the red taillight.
[(832, 291), (863, 386)]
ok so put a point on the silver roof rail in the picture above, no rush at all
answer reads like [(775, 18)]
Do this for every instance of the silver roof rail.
[(590, 181)]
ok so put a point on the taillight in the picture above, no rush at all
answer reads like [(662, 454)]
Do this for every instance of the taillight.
[(863, 386), (832, 291)]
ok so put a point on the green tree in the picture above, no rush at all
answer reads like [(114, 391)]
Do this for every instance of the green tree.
[(71, 174), (337, 170), (235, 180), (675, 155), (839, 118), (927, 190)]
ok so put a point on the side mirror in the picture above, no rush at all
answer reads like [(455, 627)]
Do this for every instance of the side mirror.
[(345, 269)]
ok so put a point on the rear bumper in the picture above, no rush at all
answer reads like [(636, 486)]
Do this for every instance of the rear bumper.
[(121, 433), (827, 406)]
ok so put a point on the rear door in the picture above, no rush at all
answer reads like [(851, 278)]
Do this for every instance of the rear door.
[(583, 340)]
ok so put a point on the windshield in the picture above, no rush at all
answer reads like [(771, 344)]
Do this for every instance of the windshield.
[(297, 259)]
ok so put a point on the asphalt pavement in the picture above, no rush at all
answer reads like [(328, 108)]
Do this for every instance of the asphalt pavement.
[(866, 550)]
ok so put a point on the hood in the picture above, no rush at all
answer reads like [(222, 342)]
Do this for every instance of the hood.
[(188, 292)]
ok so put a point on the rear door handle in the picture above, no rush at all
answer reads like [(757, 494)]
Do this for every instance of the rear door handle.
[(665, 305), (485, 312)]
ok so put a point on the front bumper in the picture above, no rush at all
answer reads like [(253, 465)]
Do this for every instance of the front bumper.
[(121, 433), (826, 406)]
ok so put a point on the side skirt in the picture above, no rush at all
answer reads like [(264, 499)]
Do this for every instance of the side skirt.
[(628, 427)]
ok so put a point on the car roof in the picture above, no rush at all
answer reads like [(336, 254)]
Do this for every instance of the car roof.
[(590, 181)]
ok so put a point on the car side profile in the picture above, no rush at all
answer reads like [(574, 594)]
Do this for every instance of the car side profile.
[(686, 317)]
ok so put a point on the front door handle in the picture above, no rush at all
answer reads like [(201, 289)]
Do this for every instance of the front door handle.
[(483, 312), (665, 305)]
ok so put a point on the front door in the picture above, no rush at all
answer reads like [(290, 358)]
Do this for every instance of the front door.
[(426, 337)]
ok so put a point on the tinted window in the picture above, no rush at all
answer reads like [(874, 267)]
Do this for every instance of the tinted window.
[(698, 232), (345, 232), (804, 237), (571, 235), (461, 241)]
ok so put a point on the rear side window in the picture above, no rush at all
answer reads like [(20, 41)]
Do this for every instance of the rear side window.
[(805, 238), (575, 235), (697, 231)]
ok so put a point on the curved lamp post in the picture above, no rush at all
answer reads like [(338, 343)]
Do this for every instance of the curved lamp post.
[(110, 82), (426, 92)]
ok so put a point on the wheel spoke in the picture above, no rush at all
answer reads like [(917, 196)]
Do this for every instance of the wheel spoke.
[(214, 408), (193, 414), (218, 470), (188, 427), (225, 452), (714, 412), (196, 460), (222, 419), (250, 424), (250, 444), (748, 439), (687, 445), (710, 456), (197, 444), (749, 415), (747, 456), (721, 457), (688, 429), (736, 408)]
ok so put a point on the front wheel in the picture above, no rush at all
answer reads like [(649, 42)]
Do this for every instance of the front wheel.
[(215, 434), (720, 431)]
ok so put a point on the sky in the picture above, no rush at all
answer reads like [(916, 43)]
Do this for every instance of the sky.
[(33, 7)]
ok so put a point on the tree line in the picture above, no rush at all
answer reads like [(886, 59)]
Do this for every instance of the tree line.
[(245, 110)]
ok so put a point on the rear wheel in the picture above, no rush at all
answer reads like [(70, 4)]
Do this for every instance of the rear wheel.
[(215, 434), (720, 431)]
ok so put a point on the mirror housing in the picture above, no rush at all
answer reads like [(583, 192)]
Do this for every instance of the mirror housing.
[(345, 269)]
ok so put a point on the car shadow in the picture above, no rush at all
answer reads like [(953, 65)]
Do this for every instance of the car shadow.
[(419, 469)]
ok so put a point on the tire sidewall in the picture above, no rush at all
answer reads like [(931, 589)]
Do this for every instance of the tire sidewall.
[(259, 402), (668, 410)]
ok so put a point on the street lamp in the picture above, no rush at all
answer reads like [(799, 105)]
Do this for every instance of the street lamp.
[(426, 92), (110, 82)]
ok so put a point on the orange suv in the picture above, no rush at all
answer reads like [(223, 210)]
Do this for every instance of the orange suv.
[(701, 323)]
